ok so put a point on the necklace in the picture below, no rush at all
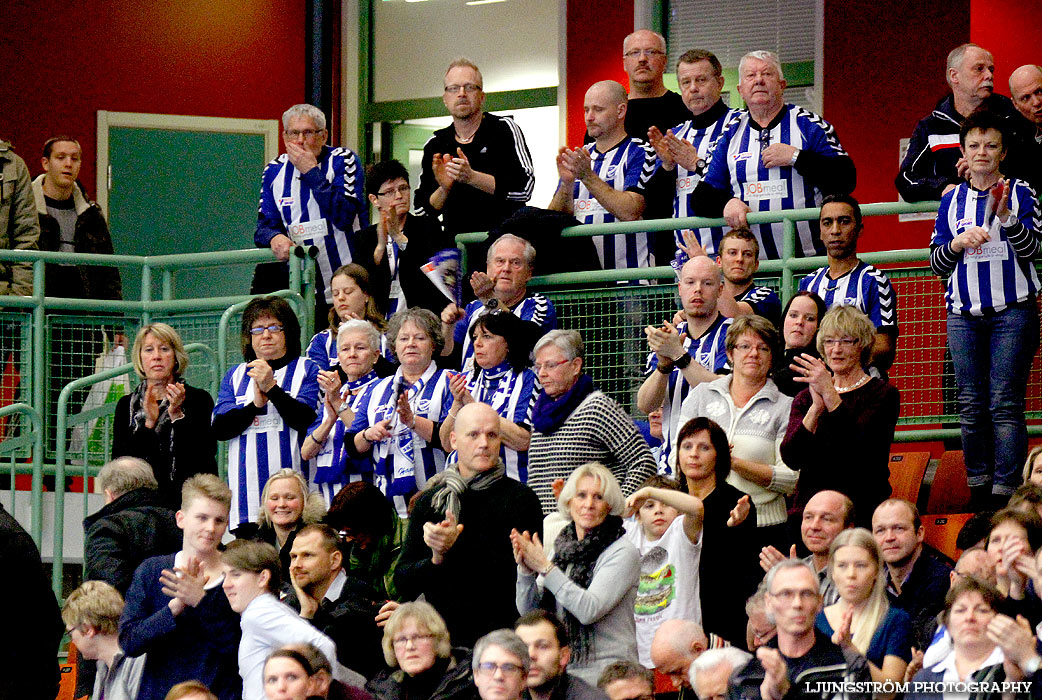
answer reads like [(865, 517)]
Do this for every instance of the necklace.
[(855, 385)]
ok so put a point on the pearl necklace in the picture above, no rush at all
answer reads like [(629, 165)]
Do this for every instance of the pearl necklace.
[(855, 385)]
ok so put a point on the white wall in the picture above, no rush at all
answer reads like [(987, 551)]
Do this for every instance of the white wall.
[(515, 43)]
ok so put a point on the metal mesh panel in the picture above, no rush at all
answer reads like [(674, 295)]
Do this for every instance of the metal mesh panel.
[(15, 372), (203, 328)]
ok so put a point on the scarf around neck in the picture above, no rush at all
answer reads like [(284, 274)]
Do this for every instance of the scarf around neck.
[(577, 559), (549, 414), (450, 486), (164, 427)]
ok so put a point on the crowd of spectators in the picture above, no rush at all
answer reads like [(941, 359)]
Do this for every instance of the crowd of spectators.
[(435, 502)]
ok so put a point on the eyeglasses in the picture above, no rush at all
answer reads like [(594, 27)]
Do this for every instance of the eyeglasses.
[(414, 639), (469, 88), (788, 595), (403, 190), (539, 367), (650, 53), (842, 342), (746, 347), (306, 133), (508, 669), (259, 330)]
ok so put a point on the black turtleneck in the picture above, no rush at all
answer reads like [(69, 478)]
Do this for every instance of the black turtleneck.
[(297, 414), (422, 685)]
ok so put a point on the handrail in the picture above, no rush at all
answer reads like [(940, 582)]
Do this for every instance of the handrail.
[(64, 422), (36, 501), (222, 333)]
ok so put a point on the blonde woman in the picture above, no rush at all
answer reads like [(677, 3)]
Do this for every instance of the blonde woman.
[(862, 619), (1033, 466), (422, 663), (164, 421), (286, 507)]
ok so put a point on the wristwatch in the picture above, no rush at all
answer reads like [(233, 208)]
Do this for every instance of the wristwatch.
[(795, 156), (492, 304), (700, 165)]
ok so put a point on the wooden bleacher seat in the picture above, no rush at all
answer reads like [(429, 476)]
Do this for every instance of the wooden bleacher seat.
[(949, 492), (942, 531), (906, 474)]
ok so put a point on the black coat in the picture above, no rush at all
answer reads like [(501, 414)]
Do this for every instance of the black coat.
[(29, 649), (194, 444), (456, 682), (124, 533)]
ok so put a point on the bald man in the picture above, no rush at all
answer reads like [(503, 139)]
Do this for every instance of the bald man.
[(605, 181), (457, 551), (1025, 85), (676, 645), (687, 354)]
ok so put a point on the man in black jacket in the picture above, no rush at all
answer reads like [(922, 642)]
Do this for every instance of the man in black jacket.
[(340, 606), (132, 526), (550, 650), (457, 552)]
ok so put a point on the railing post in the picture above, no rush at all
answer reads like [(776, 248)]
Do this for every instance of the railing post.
[(39, 365), (146, 293), (788, 253), (168, 284)]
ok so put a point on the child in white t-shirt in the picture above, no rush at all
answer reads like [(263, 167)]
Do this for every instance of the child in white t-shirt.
[(667, 530)]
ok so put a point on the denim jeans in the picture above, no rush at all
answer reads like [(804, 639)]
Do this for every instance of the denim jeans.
[(992, 357)]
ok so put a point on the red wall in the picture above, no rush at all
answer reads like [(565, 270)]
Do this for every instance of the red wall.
[(596, 29), (65, 61), (884, 70), (1012, 31)]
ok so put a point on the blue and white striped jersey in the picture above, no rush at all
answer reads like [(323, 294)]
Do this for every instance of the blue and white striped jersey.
[(325, 207), (864, 287), (999, 273), (710, 351), (269, 444), (683, 206), (512, 396), (535, 308), (734, 166), (332, 467), (403, 463), (765, 302), (627, 167), (322, 349)]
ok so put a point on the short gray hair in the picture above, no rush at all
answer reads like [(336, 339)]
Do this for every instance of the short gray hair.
[(712, 658), (356, 325), (955, 57), (609, 488), (505, 639), (425, 320), (765, 56), (125, 474), (783, 565), (304, 110), (567, 341), (464, 62), (528, 253)]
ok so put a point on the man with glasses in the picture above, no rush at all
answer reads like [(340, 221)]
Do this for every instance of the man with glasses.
[(799, 651), (502, 287), (500, 665), (477, 171), (311, 196), (774, 156), (847, 281), (651, 104), (398, 243)]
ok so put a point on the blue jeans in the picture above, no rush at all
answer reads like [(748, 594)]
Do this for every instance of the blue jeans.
[(992, 357)]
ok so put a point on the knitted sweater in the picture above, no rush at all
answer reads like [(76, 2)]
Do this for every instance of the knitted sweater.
[(597, 431)]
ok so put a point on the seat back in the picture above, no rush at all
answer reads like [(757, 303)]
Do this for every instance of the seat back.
[(906, 474), (949, 492)]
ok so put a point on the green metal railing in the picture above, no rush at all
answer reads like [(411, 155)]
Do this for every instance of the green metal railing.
[(11, 447), (784, 274)]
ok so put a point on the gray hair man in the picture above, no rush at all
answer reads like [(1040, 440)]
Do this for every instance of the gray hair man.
[(500, 664), (676, 645)]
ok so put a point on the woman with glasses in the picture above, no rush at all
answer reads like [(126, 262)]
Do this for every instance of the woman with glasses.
[(754, 415), (393, 249), (573, 423), (266, 404), (422, 665), (842, 424)]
